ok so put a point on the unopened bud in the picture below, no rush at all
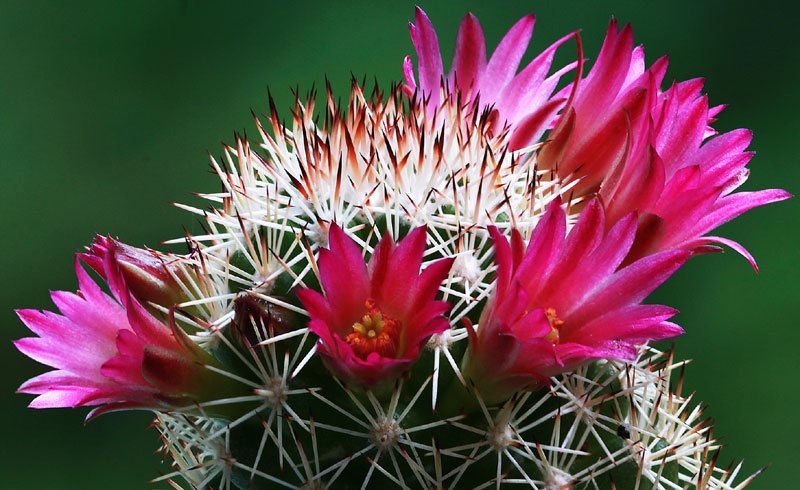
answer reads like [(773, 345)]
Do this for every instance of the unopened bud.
[(257, 320), (150, 275)]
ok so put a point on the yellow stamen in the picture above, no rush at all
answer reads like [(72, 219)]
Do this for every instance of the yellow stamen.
[(555, 323), (376, 332)]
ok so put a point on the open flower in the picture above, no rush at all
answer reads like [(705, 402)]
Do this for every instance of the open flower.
[(565, 301), (374, 319), (613, 133), (112, 352), (643, 149)]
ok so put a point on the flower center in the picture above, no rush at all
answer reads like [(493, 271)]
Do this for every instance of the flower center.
[(555, 324), (376, 332)]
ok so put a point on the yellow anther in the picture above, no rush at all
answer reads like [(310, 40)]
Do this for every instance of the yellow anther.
[(359, 328), (555, 324), (375, 332)]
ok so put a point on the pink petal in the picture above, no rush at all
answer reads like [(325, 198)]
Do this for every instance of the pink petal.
[(430, 322), (101, 319), (408, 73), (635, 324), (316, 304), (502, 257), (344, 276), (508, 308), (530, 129), (429, 281), (686, 135), (129, 344), (59, 399), (496, 351), (683, 180), (399, 290), (532, 325), (545, 242), (63, 345), (733, 205), (585, 235), (125, 370), (630, 285), (116, 407), (506, 57), (587, 276), (582, 239), (355, 370), (528, 90), (636, 68), (430, 58), (104, 305), (686, 212), (57, 380), (539, 356), (469, 60), (379, 267), (327, 337), (639, 189), (700, 242), (146, 326), (595, 156), (607, 350), (606, 77)]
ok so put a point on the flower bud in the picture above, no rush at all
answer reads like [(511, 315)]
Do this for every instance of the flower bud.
[(256, 320), (151, 276)]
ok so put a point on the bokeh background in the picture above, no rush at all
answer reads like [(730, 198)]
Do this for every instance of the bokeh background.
[(107, 112)]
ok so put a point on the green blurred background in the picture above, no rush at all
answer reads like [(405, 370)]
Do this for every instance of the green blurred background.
[(107, 111)]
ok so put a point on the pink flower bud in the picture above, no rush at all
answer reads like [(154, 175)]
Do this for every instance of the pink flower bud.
[(150, 275)]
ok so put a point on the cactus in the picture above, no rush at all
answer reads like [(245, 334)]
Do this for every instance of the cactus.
[(411, 291), (605, 423)]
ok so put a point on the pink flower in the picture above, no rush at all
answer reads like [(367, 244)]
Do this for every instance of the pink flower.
[(374, 319), (640, 148), (613, 133), (112, 352), (522, 100), (151, 276), (566, 301)]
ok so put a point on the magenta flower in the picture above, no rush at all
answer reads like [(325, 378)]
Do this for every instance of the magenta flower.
[(640, 148), (112, 352), (151, 276), (566, 301), (521, 100), (613, 133), (374, 319)]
